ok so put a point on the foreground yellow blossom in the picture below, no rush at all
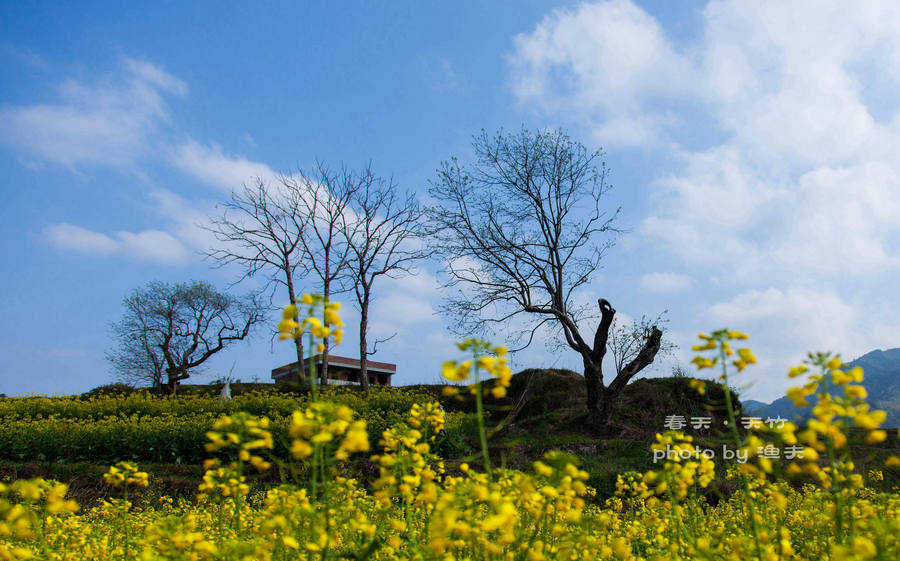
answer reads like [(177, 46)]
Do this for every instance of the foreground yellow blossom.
[(420, 507)]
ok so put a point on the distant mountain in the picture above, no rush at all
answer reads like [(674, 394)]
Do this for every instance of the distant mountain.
[(882, 382), (753, 407)]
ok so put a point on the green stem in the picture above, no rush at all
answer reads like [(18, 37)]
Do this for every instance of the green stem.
[(835, 490), (480, 412), (327, 506), (44, 545), (537, 527), (313, 472), (125, 522), (407, 517), (238, 500), (683, 534), (737, 440), (312, 370)]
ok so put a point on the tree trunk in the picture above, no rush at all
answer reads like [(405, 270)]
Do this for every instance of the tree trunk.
[(323, 375), (298, 341), (172, 384), (363, 354), (600, 397), (301, 371)]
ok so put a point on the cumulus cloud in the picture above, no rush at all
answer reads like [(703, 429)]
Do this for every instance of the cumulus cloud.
[(105, 122), (784, 324), (210, 164), (153, 245), (79, 239), (148, 245), (605, 61), (795, 200), (408, 302), (806, 178), (665, 282), (814, 316)]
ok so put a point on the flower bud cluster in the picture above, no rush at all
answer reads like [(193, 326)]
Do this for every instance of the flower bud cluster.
[(126, 473), (244, 434), (487, 359), (322, 321), (329, 426)]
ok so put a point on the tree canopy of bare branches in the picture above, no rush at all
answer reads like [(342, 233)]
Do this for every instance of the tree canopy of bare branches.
[(384, 235), (168, 330), (261, 230), (626, 339), (521, 229), (325, 205), (336, 228)]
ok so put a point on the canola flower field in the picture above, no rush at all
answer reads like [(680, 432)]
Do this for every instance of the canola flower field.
[(813, 507), (147, 428)]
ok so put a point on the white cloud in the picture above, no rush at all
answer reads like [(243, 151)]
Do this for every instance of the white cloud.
[(665, 282), (186, 218), (107, 122), (842, 220), (786, 324), (24, 56), (404, 309), (603, 61), (817, 316), (407, 302), (790, 214), (149, 245), (153, 245), (440, 74), (153, 78), (212, 166), (78, 239), (806, 181), (722, 211)]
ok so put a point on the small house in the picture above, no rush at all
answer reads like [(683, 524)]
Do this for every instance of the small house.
[(341, 370)]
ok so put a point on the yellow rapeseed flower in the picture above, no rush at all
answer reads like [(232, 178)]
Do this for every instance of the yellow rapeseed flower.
[(698, 385), (456, 372)]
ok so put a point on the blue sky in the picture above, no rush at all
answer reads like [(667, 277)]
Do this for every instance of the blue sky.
[(752, 146)]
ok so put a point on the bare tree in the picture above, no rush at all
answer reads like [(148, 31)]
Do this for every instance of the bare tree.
[(627, 339), (325, 207), (384, 236), (261, 229), (173, 329), (136, 362), (519, 231)]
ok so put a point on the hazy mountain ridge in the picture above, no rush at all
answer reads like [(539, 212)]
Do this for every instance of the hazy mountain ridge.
[(882, 382)]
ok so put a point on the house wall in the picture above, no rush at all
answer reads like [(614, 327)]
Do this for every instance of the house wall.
[(338, 373)]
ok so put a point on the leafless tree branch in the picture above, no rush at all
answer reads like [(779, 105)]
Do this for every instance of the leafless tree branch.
[(384, 237), (168, 331), (261, 230), (521, 229)]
